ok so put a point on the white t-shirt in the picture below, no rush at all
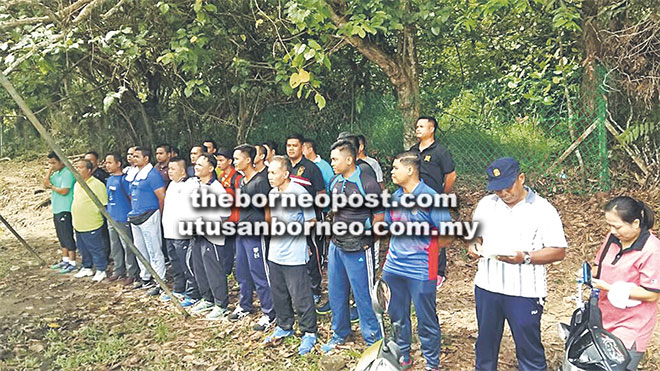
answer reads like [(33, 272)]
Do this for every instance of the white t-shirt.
[(177, 207), (530, 225)]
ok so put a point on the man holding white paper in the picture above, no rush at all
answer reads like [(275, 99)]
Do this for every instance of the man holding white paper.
[(519, 233)]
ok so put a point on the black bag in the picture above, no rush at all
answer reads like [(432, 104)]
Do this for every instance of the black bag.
[(139, 219)]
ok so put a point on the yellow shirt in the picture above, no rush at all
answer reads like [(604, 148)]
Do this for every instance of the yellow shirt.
[(85, 216)]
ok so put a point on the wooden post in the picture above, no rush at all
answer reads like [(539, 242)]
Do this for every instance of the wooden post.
[(21, 240), (44, 134)]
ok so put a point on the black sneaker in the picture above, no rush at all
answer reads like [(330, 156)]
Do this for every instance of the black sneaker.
[(264, 323), (148, 284), (324, 309), (138, 284), (355, 316), (238, 314), (154, 292)]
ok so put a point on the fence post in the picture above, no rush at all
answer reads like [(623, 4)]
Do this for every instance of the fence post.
[(602, 133)]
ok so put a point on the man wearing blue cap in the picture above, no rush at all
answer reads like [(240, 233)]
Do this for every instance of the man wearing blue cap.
[(519, 233)]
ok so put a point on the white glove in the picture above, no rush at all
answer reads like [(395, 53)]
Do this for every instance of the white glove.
[(619, 295)]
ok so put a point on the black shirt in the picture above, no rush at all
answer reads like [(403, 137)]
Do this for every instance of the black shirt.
[(366, 168), (353, 185), (310, 176), (436, 163), (257, 185), (101, 175)]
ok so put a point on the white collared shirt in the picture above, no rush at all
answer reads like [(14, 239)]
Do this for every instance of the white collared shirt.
[(530, 225)]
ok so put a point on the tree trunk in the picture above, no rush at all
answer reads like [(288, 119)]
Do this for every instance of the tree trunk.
[(402, 69)]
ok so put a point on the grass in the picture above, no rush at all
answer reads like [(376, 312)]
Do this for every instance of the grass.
[(89, 346)]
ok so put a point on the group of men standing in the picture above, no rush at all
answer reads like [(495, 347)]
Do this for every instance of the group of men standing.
[(147, 202)]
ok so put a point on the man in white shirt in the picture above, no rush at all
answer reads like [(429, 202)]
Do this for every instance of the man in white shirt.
[(177, 207), (519, 233)]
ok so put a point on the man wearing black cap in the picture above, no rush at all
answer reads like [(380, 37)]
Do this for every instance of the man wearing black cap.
[(519, 232)]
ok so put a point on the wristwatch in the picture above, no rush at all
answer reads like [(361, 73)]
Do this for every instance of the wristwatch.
[(527, 259)]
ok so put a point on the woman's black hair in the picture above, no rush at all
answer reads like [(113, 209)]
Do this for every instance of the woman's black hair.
[(629, 209)]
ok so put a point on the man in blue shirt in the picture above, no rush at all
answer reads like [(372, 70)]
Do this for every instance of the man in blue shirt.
[(119, 204), (147, 197), (287, 261), (411, 266)]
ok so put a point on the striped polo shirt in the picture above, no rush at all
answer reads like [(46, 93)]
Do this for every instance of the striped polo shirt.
[(529, 225)]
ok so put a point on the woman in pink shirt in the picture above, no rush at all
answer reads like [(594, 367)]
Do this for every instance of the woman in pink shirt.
[(629, 275)]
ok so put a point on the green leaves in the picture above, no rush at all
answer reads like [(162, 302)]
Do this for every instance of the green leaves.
[(320, 100)]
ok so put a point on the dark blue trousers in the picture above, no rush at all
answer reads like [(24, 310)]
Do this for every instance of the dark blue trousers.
[(91, 248), (351, 271), (229, 254), (524, 318), (176, 250), (422, 294), (251, 273)]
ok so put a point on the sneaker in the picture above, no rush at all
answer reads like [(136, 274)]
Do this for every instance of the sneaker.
[(277, 334), (406, 361), (332, 344), (307, 343), (59, 265), (201, 307), (217, 313), (355, 316), (264, 323), (187, 301), (324, 309), (99, 276), (429, 368), (85, 272), (164, 297), (68, 268), (148, 285), (154, 292), (317, 299), (138, 284), (238, 314)]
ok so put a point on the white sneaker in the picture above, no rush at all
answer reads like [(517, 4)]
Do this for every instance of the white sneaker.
[(84, 272), (99, 276), (201, 307)]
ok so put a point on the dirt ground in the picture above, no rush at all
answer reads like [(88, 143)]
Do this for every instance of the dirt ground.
[(54, 321)]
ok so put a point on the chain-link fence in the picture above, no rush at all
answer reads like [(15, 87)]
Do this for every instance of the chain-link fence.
[(561, 146)]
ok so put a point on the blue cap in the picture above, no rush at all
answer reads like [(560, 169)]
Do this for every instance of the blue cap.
[(502, 173)]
